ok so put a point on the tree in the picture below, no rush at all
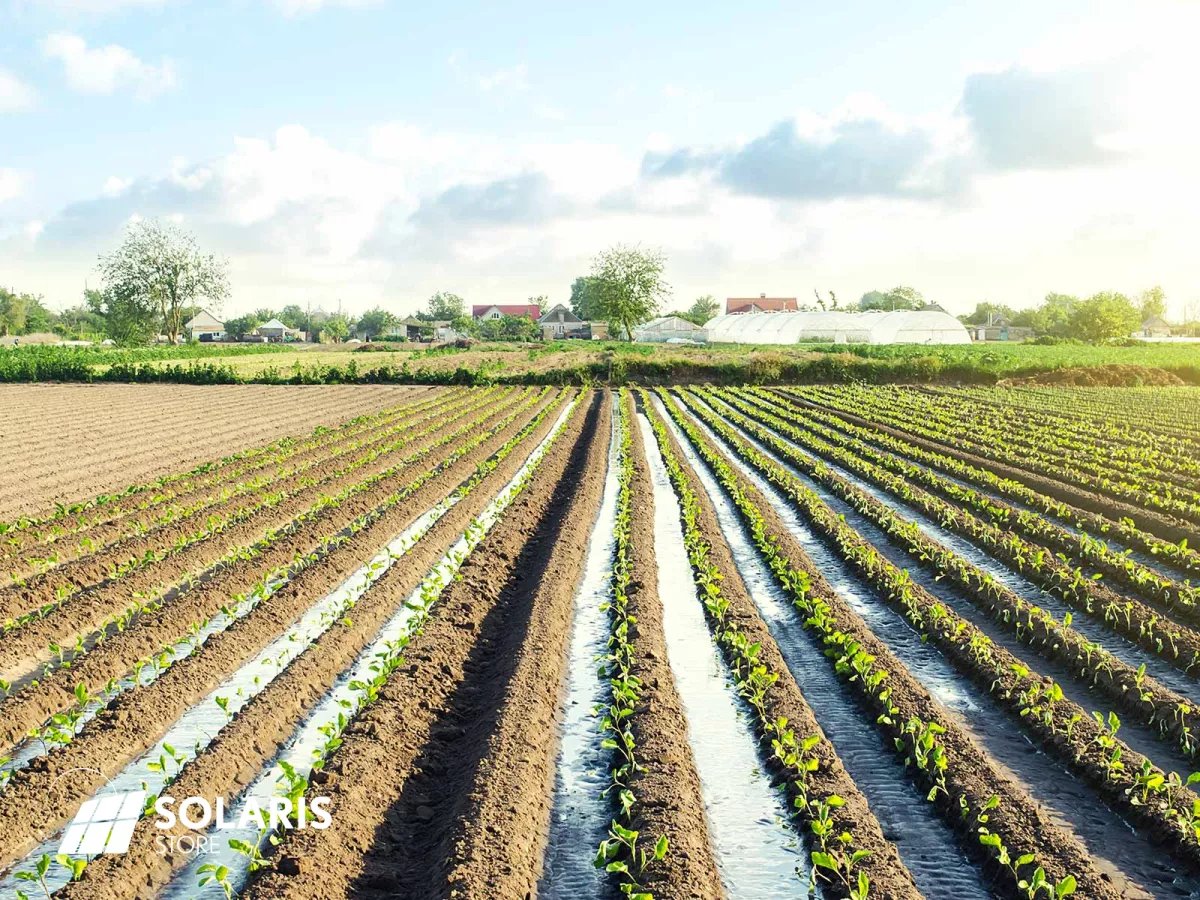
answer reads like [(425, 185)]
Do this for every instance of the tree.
[(336, 327), (242, 325), (703, 309), (629, 282), (161, 264), (1152, 302), (986, 312), (445, 306), (130, 318), (375, 322), (900, 297), (1053, 316), (13, 308), (1103, 316), (872, 300), (294, 316), (542, 301), (585, 299), (264, 314), (508, 328)]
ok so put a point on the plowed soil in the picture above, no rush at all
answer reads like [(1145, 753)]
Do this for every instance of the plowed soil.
[(62, 443)]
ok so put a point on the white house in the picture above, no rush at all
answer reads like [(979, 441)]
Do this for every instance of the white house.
[(273, 330), (205, 323)]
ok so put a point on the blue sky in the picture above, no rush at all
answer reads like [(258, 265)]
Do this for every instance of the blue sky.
[(374, 152)]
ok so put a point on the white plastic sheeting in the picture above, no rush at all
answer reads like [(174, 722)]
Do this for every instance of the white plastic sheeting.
[(898, 327)]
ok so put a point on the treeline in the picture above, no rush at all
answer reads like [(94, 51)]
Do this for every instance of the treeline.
[(1102, 316)]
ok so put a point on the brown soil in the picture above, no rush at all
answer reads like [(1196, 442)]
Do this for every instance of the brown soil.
[(887, 873), (1159, 524), (91, 570), (672, 802), (518, 760), (250, 741), (1101, 376), (201, 495), (380, 811), (106, 437), (113, 658), (971, 772), (23, 649)]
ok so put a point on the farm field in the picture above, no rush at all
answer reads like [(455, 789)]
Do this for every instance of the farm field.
[(561, 642)]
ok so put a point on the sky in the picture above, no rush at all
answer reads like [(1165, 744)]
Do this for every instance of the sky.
[(372, 152)]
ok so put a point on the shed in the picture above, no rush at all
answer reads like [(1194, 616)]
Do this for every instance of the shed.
[(273, 330), (202, 324), (667, 328), (874, 327), (1156, 326)]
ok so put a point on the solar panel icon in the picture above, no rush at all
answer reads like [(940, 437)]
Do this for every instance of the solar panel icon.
[(104, 824)]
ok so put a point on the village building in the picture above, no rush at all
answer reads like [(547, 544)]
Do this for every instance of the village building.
[(1156, 326), (204, 326), (482, 311), (737, 306), (559, 322)]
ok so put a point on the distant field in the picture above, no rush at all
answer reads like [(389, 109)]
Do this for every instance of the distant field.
[(573, 362)]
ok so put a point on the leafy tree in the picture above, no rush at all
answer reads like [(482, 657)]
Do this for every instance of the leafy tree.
[(585, 299), (162, 264), (264, 314), (1103, 316), (375, 322), (444, 306), (703, 309), (1152, 302), (542, 301), (336, 327), (294, 316), (1053, 316), (80, 321), (242, 325), (13, 310), (629, 282), (984, 310), (900, 297), (130, 318), (509, 328)]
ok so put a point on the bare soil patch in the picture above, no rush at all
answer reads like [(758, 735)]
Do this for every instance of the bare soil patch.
[(107, 436), (1102, 376)]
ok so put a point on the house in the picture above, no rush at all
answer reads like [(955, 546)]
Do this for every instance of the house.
[(204, 326), (999, 328), (1156, 326), (480, 312), (736, 306), (669, 329), (559, 322), (274, 331)]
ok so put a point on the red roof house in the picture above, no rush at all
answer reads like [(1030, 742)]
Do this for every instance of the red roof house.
[(762, 303), (497, 311)]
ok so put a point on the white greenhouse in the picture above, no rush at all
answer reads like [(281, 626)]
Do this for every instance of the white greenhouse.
[(925, 326)]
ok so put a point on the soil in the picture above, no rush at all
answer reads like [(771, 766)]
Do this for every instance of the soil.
[(251, 740), (107, 436), (672, 802), (1160, 524), (971, 773), (114, 657), (1101, 376), (887, 873), (23, 649), (381, 807)]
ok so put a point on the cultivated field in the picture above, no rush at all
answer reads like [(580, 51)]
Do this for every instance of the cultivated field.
[(692, 642)]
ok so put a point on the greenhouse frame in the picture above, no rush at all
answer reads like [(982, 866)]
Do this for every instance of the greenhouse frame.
[(925, 326)]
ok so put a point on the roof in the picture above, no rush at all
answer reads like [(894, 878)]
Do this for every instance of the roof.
[(668, 323), (529, 310), (874, 327), (762, 303), (274, 324), (1155, 322), (568, 316), (204, 321)]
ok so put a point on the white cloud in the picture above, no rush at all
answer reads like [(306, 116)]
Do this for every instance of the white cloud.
[(550, 113), (114, 186), (15, 94), (510, 79), (104, 70), (11, 184)]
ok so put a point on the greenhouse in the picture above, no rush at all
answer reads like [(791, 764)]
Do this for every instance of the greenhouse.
[(925, 326)]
